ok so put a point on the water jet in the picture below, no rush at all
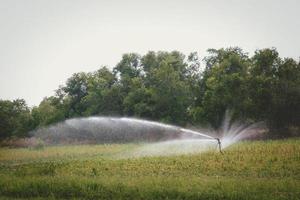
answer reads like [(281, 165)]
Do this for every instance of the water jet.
[(155, 138)]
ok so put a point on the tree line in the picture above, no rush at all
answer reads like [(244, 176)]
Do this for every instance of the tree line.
[(173, 88)]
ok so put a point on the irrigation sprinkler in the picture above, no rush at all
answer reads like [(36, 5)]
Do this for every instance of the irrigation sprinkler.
[(219, 145)]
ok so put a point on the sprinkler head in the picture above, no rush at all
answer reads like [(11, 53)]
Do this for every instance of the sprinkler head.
[(219, 145)]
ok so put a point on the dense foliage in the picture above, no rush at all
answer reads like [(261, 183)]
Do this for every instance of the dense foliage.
[(173, 88)]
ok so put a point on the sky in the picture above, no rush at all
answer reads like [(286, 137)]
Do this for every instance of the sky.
[(43, 42)]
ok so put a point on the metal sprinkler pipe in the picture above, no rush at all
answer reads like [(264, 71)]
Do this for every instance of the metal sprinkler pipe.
[(219, 145)]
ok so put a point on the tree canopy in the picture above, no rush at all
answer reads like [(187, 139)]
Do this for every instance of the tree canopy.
[(174, 88)]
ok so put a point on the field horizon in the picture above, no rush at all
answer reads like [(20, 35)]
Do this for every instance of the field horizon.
[(247, 170)]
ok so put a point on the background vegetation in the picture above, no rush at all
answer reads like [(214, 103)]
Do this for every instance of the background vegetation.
[(174, 88)]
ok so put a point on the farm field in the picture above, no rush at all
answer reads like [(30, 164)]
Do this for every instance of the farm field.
[(247, 170)]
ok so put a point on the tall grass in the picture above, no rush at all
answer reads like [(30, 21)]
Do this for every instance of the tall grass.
[(248, 170)]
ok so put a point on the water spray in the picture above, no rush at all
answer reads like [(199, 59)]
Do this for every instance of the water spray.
[(204, 135), (102, 130)]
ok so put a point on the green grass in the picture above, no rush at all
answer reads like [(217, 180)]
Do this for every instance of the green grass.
[(248, 170)]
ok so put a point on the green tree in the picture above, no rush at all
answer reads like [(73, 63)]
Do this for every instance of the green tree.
[(48, 112), (261, 83), (169, 87), (104, 94), (15, 118), (223, 87), (76, 89), (129, 66), (138, 101), (286, 97), (170, 94)]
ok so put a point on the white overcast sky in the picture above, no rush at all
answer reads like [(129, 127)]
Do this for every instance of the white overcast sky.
[(43, 42)]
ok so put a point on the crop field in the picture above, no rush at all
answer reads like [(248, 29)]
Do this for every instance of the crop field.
[(246, 170)]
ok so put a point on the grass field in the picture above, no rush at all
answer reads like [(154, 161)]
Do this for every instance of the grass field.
[(247, 170)]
